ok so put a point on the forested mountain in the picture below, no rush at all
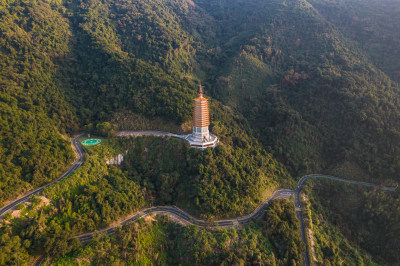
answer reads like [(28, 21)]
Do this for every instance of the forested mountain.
[(367, 217), (372, 24), (310, 93), (295, 87), (34, 112)]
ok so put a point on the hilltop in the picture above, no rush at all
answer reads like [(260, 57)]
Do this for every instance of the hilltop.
[(295, 87)]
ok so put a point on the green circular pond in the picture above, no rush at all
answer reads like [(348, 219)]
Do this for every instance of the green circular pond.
[(91, 142)]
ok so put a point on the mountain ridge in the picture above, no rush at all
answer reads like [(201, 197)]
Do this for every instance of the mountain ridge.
[(292, 91)]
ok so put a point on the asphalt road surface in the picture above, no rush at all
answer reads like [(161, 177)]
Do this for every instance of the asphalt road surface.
[(183, 216), (77, 163)]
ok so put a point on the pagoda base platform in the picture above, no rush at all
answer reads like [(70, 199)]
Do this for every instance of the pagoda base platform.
[(202, 144)]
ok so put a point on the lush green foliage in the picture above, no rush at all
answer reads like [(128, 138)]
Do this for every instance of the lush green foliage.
[(155, 170), (219, 182), (282, 226), (96, 195), (291, 75), (162, 242), (128, 120), (128, 54), (310, 93), (367, 218), (91, 198), (372, 24), (33, 109), (12, 252)]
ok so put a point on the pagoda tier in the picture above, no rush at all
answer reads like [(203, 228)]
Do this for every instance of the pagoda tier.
[(201, 137), (200, 114)]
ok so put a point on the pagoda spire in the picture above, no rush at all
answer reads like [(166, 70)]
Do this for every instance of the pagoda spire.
[(201, 91)]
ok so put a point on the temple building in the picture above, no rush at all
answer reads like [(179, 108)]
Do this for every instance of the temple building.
[(201, 137)]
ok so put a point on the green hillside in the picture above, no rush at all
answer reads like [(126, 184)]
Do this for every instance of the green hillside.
[(162, 242), (218, 183), (34, 111), (295, 87), (367, 218), (373, 25), (309, 94), (318, 103)]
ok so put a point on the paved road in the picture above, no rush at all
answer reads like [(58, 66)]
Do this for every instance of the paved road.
[(186, 218), (297, 202), (149, 133), (77, 163), (183, 216), (305, 178)]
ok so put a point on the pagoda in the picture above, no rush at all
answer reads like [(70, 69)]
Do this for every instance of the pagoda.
[(201, 137)]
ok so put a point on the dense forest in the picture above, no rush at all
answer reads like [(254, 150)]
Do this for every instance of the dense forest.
[(155, 171), (372, 24), (34, 112), (315, 96), (311, 94), (219, 182), (274, 241), (295, 87), (366, 217)]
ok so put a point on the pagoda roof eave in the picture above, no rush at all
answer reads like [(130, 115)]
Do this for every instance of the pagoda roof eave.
[(200, 99)]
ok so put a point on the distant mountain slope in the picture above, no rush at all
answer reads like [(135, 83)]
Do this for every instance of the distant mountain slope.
[(374, 25), (311, 94), (287, 77)]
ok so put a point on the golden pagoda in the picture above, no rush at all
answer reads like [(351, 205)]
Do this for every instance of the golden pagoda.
[(201, 137), (201, 117)]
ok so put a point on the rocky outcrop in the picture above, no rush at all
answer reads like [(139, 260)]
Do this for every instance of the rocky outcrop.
[(117, 160)]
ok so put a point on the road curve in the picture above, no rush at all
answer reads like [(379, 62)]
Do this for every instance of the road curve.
[(298, 207), (183, 216), (77, 163), (188, 219), (305, 178)]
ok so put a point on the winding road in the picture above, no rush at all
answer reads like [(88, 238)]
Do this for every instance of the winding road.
[(180, 214), (77, 163)]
